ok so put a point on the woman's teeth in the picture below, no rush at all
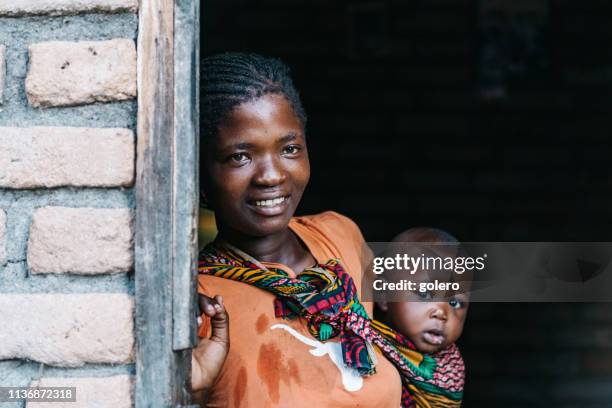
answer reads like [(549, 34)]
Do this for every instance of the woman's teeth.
[(270, 203)]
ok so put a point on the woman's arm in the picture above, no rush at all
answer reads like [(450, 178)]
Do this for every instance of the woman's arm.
[(209, 355)]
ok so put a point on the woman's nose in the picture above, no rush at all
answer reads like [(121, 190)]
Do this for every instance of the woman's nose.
[(269, 173), (439, 311)]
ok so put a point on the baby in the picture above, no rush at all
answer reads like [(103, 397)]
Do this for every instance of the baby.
[(432, 320)]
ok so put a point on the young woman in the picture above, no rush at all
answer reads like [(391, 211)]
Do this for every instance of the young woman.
[(254, 170)]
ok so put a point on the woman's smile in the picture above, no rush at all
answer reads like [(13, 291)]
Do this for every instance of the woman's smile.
[(270, 206)]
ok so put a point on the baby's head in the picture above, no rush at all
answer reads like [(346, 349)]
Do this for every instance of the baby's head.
[(432, 325)]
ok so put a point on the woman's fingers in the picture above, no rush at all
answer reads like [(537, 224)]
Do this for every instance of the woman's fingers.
[(220, 322), (219, 319), (208, 305), (209, 355)]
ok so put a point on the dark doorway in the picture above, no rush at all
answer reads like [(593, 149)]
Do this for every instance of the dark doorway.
[(490, 123)]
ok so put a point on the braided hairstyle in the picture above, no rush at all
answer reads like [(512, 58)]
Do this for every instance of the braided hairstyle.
[(230, 79)]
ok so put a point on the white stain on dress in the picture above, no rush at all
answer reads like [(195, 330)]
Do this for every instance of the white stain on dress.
[(351, 379)]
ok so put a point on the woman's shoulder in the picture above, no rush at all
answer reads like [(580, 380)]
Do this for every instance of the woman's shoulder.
[(332, 222), (332, 235)]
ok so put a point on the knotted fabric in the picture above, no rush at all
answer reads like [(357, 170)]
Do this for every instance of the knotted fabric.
[(325, 296)]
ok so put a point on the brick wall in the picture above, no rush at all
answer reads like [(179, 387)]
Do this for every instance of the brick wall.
[(67, 163), (399, 137)]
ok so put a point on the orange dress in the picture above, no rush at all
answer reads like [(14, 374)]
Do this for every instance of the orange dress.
[(275, 362)]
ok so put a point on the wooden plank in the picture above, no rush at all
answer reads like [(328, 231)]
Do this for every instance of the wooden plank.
[(162, 375), (186, 203)]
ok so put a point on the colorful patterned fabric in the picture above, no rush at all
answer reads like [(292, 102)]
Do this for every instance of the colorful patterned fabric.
[(440, 382), (326, 298)]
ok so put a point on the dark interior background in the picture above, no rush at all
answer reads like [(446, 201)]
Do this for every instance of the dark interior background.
[(495, 128)]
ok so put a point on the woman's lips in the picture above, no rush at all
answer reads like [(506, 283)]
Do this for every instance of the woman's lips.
[(433, 337), (270, 207)]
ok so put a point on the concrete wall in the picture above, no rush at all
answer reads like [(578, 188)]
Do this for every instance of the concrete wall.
[(67, 162)]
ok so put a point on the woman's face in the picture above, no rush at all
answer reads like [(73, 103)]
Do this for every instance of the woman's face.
[(257, 168)]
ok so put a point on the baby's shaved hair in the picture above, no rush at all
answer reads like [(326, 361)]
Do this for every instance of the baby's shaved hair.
[(443, 243), (425, 234)]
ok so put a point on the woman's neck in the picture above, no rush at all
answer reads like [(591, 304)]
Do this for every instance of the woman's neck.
[(282, 247)]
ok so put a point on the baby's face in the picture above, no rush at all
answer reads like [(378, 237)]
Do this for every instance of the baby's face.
[(431, 326)]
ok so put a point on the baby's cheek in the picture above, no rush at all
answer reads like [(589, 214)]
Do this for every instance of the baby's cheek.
[(408, 323), (455, 332)]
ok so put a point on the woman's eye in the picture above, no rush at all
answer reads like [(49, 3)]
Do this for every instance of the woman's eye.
[(239, 157), (455, 304), (292, 149)]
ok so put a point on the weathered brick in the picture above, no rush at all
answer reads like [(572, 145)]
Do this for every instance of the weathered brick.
[(67, 330), (61, 7), (102, 392), (75, 73), (2, 71), (80, 240), (2, 237), (56, 156)]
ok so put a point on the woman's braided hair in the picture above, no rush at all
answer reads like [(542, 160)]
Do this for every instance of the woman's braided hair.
[(229, 79)]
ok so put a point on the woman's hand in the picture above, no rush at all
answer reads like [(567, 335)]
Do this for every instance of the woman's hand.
[(208, 356)]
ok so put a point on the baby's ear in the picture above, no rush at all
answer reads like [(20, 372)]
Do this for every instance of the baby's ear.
[(382, 305)]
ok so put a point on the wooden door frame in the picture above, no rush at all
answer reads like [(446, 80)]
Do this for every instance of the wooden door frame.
[(166, 201)]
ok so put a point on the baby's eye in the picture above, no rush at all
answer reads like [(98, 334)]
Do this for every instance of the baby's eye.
[(291, 149), (455, 304), (426, 295)]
